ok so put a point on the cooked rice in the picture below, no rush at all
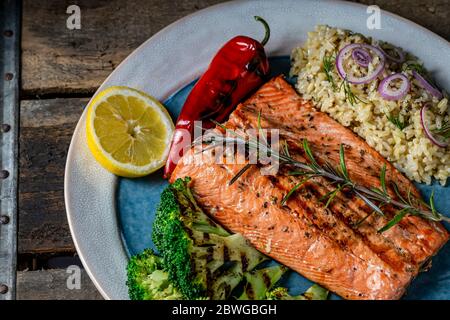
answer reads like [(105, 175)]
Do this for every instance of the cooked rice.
[(408, 149)]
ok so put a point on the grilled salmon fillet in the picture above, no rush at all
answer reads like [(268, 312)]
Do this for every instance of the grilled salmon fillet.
[(325, 244)]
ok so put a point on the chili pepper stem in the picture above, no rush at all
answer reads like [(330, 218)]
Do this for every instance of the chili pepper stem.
[(266, 27)]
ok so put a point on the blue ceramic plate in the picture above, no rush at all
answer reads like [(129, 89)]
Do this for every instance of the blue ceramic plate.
[(111, 218), (137, 200)]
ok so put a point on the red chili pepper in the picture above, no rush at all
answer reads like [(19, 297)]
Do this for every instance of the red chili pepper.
[(237, 69)]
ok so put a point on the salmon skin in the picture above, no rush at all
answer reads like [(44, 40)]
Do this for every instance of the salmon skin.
[(324, 244)]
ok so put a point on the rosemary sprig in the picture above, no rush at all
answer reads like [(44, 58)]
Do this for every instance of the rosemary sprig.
[(313, 163), (383, 178), (286, 148), (358, 223), (332, 194), (328, 64), (395, 120), (397, 192), (248, 165), (291, 192), (260, 131), (398, 216), (444, 130), (342, 163), (414, 66), (240, 173), (432, 206), (375, 198), (349, 95)]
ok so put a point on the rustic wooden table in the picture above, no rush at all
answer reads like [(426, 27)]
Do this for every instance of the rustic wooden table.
[(60, 70)]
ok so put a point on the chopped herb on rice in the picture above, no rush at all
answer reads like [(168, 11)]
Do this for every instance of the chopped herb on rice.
[(408, 149)]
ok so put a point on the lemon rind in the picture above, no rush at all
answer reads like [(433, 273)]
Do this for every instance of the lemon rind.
[(103, 157)]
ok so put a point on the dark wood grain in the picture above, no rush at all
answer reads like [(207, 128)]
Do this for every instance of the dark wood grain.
[(52, 285), (431, 14), (58, 60), (46, 127)]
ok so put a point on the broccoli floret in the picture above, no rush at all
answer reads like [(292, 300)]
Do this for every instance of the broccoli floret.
[(202, 258), (315, 292), (259, 282), (147, 280), (281, 293)]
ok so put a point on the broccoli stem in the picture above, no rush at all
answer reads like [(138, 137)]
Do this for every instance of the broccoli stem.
[(147, 280), (202, 258), (315, 292)]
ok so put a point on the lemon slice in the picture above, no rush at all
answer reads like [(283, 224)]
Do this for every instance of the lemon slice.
[(128, 131)]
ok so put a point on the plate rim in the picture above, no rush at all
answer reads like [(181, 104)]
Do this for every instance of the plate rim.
[(77, 239)]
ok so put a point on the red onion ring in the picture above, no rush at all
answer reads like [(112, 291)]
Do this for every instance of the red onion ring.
[(427, 86), (369, 77), (361, 57), (427, 131), (388, 93)]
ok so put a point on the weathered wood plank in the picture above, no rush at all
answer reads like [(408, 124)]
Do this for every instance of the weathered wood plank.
[(52, 285), (430, 14), (61, 61), (46, 127), (58, 60)]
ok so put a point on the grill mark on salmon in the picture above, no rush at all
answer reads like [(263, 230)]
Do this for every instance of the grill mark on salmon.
[(299, 111), (417, 245), (303, 248), (344, 232), (337, 208), (335, 223), (323, 244)]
